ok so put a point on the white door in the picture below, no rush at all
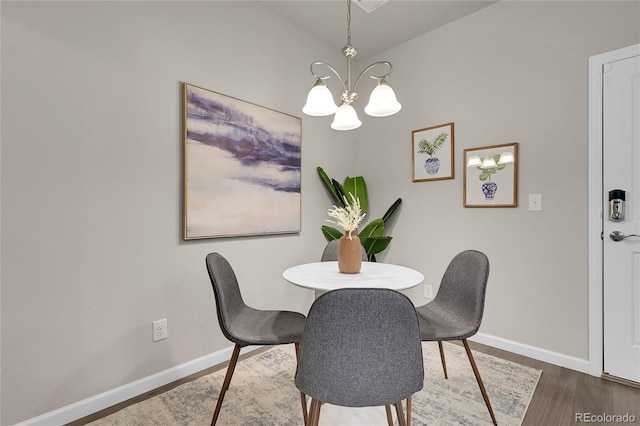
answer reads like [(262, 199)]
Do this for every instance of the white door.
[(621, 237)]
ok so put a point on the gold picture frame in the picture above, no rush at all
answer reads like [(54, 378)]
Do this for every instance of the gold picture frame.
[(242, 167), (491, 176)]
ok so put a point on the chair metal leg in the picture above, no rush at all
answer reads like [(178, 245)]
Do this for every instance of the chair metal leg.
[(402, 421), (409, 411), (479, 380), (387, 409), (303, 397), (227, 380), (444, 363)]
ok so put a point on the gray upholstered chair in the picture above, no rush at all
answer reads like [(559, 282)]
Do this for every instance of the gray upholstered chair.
[(246, 326), (360, 348), (456, 311), (331, 251)]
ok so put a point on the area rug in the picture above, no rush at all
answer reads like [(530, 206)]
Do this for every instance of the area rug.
[(262, 392)]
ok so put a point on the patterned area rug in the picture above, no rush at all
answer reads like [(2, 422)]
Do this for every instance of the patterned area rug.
[(262, 392)]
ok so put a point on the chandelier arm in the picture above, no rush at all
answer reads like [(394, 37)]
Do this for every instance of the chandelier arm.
[(376, 77), (344, 86), (320, 102)]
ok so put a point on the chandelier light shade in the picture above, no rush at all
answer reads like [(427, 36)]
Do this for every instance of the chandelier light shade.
[(346, 118), (489, 162), (474, 161), (382, 101), (320, 101), (506, 157)]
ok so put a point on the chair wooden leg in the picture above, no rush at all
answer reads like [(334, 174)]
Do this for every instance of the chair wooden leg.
[(444, 363), (387, 409), (303, 397), (402, 421), (314, 412), (479, 380), (227, 380)]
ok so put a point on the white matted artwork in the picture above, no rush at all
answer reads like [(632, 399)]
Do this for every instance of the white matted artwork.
[(491, 176), (432, 154), (241, 167)]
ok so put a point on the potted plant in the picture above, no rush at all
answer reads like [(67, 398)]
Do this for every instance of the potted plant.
[(425, 146), (348, 218), (489, 166), (372, 235)]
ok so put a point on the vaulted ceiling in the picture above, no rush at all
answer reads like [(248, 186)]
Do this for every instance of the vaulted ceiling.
[(391, 23)]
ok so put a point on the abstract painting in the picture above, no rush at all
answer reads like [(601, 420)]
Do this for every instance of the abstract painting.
[(241, 167)]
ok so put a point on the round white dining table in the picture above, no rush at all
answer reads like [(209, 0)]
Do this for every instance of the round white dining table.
[(325, 276)]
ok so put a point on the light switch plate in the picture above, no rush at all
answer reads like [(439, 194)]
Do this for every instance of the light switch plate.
[(535, 202)]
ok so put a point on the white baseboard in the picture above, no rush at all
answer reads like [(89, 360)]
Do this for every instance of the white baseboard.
[(120, 394), (115, 396), (570, 362)]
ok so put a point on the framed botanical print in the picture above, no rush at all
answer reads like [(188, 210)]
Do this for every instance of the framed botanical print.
[(491, 176), (433, 153)]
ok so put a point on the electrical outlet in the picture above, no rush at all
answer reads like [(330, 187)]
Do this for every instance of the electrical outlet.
[(160, 331), (428, 291)]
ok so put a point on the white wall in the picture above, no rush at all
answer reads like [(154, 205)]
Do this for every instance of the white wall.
[(91, 175), (0, 222), (513, 72), (91, 187)]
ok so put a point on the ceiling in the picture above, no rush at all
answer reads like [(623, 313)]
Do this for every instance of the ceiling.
[(390, 24)]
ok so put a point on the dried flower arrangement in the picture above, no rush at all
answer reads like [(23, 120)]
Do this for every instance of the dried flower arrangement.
[(347, 218)]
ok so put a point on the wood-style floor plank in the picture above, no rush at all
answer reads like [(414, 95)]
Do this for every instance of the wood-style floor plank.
[(560, 395)]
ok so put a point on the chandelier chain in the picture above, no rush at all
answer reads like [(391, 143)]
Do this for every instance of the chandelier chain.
[(348, 21), (320, 102)]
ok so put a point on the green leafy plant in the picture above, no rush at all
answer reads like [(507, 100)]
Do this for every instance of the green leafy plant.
[(355, 189), (486, 172), (430, 147)]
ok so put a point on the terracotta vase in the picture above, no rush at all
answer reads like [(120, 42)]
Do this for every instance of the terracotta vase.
[(349, 254)]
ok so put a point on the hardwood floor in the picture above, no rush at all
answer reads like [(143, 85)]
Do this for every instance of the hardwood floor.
[(560, 396), (563, 394)]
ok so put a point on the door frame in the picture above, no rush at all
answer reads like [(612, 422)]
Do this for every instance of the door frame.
[(595, 204)]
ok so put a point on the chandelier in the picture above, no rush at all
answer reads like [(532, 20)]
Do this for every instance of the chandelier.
[(320, 102)]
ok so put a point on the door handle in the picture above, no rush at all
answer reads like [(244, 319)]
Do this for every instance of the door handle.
[(619, 236)]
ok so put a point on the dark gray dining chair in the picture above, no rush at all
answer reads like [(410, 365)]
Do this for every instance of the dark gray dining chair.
[(456, 311), (330, 252), (246, 326), (361, 348)]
